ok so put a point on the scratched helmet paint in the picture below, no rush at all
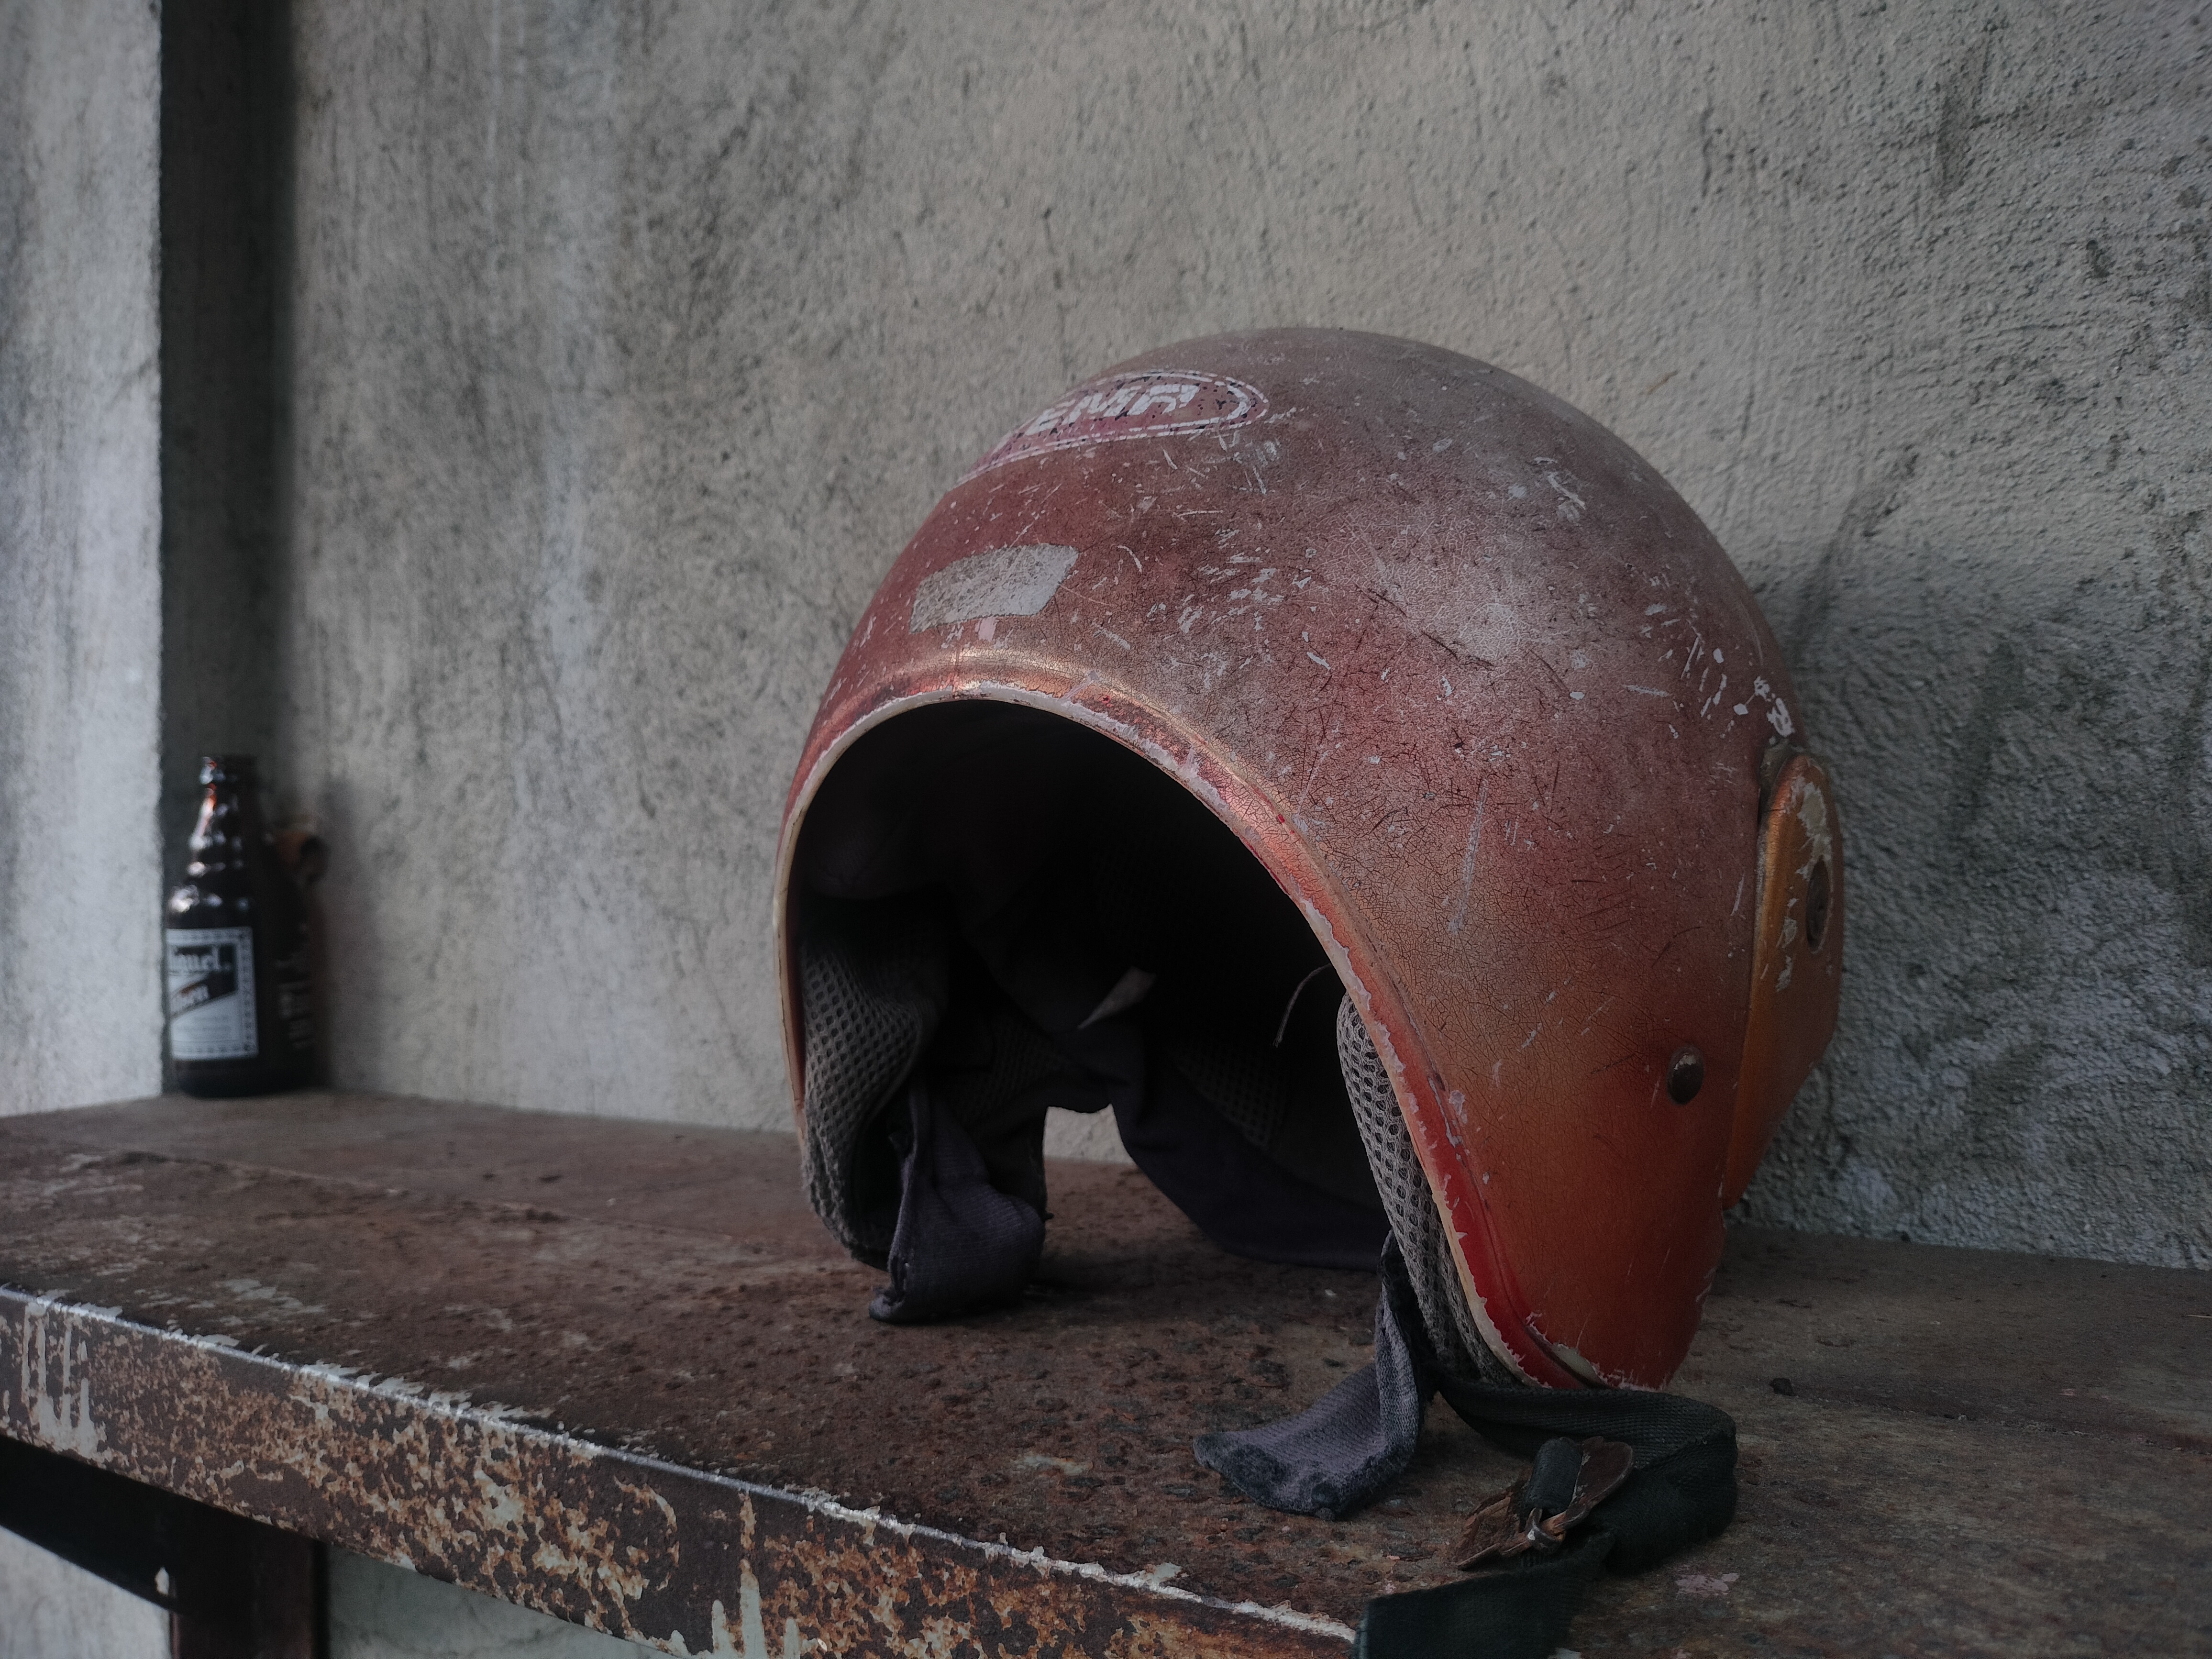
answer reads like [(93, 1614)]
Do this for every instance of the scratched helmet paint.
[(1304, 743)]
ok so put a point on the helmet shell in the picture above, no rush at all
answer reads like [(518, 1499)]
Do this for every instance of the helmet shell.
[(1492, 706)]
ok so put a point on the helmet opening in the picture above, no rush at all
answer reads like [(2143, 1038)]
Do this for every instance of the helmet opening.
[(1016, 913), (994, 912)]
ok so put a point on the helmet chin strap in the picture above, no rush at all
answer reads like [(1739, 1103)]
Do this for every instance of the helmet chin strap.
[(1343, 1452)]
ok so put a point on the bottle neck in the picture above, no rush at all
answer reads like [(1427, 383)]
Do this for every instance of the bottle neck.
[(229, 831)]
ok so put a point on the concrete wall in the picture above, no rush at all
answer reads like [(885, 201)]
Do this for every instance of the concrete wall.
[(631, 346), (80, 634), (51, 1610), (80, 593)]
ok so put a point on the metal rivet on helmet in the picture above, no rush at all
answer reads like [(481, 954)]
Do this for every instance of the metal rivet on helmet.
[(1685, 1075)]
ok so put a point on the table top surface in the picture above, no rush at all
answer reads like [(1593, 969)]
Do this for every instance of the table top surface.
[(617, 1370)]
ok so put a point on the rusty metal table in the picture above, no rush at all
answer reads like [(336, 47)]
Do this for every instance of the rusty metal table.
[(616, 1371)]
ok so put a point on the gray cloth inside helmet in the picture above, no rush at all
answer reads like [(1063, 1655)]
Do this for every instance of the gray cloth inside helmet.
[(997, 912)]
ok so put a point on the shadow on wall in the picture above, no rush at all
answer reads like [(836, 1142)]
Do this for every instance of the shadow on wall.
[(2025, 773)]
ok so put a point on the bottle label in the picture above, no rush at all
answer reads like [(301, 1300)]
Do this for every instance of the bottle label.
[(211, 993)]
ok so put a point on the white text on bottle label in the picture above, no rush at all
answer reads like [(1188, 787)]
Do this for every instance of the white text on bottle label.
[(211, 993)]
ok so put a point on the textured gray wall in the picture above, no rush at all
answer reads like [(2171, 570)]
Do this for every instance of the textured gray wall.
[(51, 1610), (631, 346), (80, 635), (80, 517)]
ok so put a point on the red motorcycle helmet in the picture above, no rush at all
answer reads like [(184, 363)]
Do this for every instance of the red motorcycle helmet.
[(1306, 658)]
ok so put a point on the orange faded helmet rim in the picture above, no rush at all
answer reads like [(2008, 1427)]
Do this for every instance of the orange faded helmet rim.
[(1796, 965)]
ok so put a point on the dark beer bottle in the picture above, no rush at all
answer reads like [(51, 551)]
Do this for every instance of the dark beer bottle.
[(235, 939)]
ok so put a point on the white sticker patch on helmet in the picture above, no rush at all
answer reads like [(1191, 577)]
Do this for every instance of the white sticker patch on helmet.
[(1005, 581), (1153, 404), (1812, 806)]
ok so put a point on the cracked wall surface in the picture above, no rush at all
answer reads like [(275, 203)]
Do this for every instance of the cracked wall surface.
[(630, 346)]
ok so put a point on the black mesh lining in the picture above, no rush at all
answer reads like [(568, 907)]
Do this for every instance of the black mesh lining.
[(871, 982), (1417, 1223)]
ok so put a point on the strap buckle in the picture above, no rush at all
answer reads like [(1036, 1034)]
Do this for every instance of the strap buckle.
[(1568, 1479)]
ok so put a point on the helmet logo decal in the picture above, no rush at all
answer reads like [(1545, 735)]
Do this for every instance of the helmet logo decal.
[(1152, 405), (1006, 581)]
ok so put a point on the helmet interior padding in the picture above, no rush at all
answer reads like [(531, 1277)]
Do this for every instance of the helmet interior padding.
[(1008, 912)]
